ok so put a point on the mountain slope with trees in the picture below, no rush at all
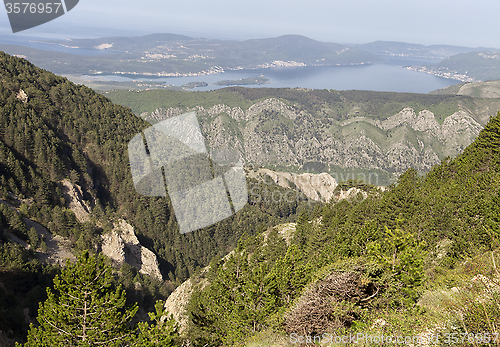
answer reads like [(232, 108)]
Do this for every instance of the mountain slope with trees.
[(389, 262), (53, 130), (420, 257), (373, 136)]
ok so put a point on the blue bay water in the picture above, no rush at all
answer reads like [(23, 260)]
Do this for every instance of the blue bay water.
[(389, 76)]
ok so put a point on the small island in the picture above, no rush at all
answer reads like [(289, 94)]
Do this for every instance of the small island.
[(192, 85), (243, 81)]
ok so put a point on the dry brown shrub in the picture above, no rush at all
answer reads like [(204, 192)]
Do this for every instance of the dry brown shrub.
[(328, 305)]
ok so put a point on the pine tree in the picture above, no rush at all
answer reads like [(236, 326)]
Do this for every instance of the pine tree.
[(289, 276), (84, 309), (33, 238), (402, 255), (162, 334), (303, 230)]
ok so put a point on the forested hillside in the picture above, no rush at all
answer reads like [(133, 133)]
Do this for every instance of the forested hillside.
[(53, 130), (417, 260), (378, 134), (61, 130)]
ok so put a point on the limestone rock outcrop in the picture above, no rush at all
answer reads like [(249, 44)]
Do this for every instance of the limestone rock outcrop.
[(318, 187), (177, 301), (21, 95), (73, 196), (274, 131), (122, 245)]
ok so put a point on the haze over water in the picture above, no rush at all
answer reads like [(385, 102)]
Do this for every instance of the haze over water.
[(388, 76)]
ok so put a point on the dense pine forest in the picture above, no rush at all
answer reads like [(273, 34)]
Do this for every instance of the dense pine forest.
[(395, 258), (419, 258), (52, 129), (378, 134)]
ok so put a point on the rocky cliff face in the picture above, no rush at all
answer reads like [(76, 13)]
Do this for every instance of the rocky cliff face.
[(318, 187), (271, 131), (74, 200), (121, 245), (178, 300)]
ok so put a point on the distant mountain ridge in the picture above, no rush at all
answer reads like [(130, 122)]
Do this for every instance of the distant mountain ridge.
[(478, 66), (173, 55), (167, 54), (326, 131), (404, 49)]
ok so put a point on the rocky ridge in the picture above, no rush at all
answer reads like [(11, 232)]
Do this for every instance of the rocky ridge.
[(73, 195), (272, 131), (121, 245), (318, 187), (178, 300)]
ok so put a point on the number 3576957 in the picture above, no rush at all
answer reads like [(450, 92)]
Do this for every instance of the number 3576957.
[(27, 7)]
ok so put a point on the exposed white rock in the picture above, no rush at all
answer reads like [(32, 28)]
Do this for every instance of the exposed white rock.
[(113, 247), (456, 123), (458, 129), (21, 95), (74, 200), (350, 194), (424, 121), (177, 301), (121, 245), (317, 187)]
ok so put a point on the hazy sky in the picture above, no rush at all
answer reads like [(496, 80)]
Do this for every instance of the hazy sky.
[(457, 22)]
